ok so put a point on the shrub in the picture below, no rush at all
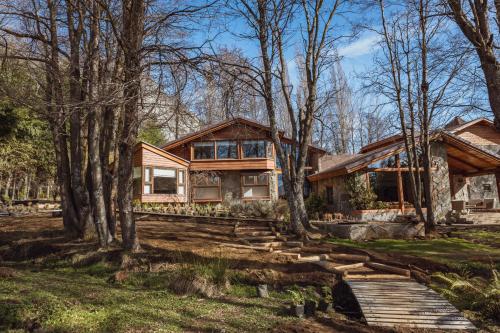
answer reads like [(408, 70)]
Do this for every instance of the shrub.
[(471, 293), (315, 206), (361, 196)]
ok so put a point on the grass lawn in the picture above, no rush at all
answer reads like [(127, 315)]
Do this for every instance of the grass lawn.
[(67, 299), (457, 253)]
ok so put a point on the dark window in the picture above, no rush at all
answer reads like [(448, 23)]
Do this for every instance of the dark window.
[(257, 149), (204, 150), (165, 181), (227, 149), (329, 195)]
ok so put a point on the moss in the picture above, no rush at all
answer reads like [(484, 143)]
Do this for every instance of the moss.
[(67, 299)]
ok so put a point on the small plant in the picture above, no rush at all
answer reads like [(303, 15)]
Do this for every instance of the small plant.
[(315, 206), (296, 297), (471, 293), (361, 196)]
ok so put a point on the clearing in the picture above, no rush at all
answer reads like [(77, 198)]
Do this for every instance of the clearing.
[(65, 286)]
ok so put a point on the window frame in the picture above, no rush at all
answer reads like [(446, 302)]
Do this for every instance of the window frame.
[(193, 147), (268, 147), (151, 181), (195, 186), (235, 142), (243, 185)]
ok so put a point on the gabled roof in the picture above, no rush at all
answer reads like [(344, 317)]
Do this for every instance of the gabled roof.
[(216, 127), (161, 152), (473, 157), (358, 162), (457, 126)]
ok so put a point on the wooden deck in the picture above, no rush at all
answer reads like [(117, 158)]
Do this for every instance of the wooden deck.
[(399, 303)]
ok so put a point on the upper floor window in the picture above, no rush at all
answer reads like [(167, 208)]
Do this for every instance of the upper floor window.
[(204, 150), (227, 149), (257, 149)]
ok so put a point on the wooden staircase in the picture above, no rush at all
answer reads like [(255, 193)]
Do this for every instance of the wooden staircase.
[(263, 236)]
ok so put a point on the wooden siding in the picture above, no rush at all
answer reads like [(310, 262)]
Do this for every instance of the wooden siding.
[(480, 134), (151, 159), (243, 164)]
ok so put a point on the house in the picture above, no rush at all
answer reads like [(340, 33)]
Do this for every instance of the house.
[(465, 167), (234, 159)]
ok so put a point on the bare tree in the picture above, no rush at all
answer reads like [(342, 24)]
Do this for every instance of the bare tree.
[(421, 84), (473, 19), (270, 24)]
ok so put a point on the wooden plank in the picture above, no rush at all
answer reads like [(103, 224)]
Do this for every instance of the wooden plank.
[(377, 277), (444, 327), (390, 269), (349, 257), (348, 267)]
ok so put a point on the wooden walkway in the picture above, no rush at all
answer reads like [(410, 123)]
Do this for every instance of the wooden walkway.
[(406, 304)]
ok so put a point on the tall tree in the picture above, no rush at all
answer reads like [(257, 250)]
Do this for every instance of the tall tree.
[(473, 19), (270, 24)]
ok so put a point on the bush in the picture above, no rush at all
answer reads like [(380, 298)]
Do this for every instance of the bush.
[(315, 206), (361, 196), (471, 293)]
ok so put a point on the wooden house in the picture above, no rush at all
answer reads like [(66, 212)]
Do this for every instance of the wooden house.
[(465, 167), (235, 159)]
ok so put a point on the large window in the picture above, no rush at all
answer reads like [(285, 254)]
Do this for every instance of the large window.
[(165, 181), (206, 187), (204, 150), (255, 186), (227, 149), (160, 181), (257, 149)]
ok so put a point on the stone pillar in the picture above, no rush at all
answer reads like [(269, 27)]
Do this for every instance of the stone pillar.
[(441, 192), (273, 185)]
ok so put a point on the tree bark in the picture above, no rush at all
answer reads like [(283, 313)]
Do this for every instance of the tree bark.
[(132, 38), (479, 34), (94, 116)]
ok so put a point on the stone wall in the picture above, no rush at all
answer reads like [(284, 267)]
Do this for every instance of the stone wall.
[(441, 192), (483, 187), (340, 196)]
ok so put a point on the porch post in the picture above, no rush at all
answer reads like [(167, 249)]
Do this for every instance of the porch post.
[(401, 197), (497, 176)]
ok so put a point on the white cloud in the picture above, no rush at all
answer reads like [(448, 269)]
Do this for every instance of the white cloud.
[(362, 46)]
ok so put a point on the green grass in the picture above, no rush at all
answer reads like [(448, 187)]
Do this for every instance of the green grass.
[(456, 253), (65, 299)]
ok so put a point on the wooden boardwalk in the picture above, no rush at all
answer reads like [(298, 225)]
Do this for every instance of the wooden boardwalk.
[(406, 304)]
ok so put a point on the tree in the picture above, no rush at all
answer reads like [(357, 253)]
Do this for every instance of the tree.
[(270, 24), (414, 76), (472, 17)]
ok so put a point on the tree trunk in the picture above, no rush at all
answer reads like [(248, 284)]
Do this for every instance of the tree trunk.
[(94, 125), (133, 29), (80, 192)]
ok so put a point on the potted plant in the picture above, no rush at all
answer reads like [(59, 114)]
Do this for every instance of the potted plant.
[(297, 306), (326, 300)]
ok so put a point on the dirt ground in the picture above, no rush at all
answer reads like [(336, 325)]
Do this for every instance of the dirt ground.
[(37, 237)]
